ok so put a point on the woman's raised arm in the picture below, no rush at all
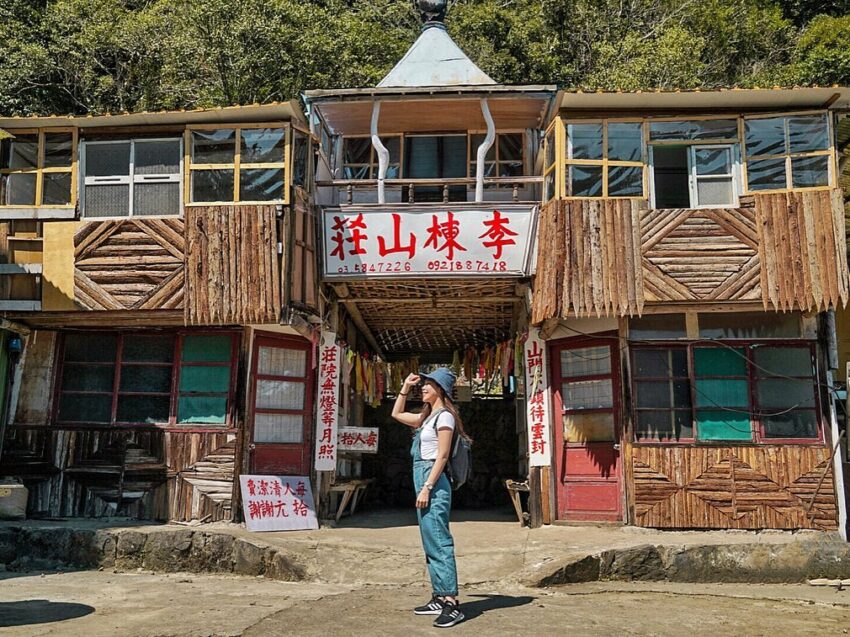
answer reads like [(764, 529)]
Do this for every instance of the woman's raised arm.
[(406, 417)]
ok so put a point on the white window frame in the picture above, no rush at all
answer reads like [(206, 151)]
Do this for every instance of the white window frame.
[(132, 179), (692, 176)]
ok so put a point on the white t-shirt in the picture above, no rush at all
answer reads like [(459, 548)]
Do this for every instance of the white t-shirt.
[(428, 443)]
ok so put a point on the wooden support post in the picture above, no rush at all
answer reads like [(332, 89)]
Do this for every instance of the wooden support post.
[(546, 500), (535, 501), (349, 194), (516, 193), (445, 193)]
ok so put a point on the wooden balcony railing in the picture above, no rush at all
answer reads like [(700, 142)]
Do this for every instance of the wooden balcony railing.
[(447, 187)]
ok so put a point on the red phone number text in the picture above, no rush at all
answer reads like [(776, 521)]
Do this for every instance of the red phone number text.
[(433, 266)]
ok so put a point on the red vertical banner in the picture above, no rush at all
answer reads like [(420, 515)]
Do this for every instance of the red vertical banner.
[(537, 401), (327, 404)]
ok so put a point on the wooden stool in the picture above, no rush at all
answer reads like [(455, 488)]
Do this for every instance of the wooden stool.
[(514, 489), (352, 491)]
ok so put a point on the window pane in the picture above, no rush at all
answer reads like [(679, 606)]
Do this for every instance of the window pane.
[(148, 349), (511, 169), (299, 158), (585, 141), (713, 161), (585, 181), (206, 379), (157, 157), (476, 141), (694, 130), (263, 145), (660, 363), (671, 176), (794, 424), (143, 409), (210, 410), (657, 394), (586, 361), (279, 361), (145, 378), (156, 199), (719, 361), (663, 425), (662, 326), (722, 393), (107, 160), (260, 184), (433, 157), (715, 191), (723, 425), (765, 136), (808, 132), (18, 189), (625, 141), (94, 348), (766, 174), (625, 181), (778, 394), (88, 377), (356, 172), (810, 172), (549, 186), (214, 147), (20, 152), (280, 394), (58, 150), (212, 185), (783, 361), (550, 149), (207, 349), (85, 408), (587, 394), (57, 189), (356, 150), (393, 145), (279, 428), (510, 147), (107, 201), (749, 325)]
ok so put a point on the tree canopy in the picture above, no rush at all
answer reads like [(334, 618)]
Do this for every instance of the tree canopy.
[(95, 56)]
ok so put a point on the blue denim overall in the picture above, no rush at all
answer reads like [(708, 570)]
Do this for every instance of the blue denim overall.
[(434, 524)]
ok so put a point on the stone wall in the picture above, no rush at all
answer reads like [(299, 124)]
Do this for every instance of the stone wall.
[(495, 455)]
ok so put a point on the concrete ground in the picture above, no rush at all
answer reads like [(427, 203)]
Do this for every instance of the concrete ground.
[(106, 604)]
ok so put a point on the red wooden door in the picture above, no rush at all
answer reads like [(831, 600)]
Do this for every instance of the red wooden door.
[(586, 388), (282, 406)]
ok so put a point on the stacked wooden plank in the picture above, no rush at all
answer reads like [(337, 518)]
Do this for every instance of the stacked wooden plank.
[(233, 269), (803, 250)]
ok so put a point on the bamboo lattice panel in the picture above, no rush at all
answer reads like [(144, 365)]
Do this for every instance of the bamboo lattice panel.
[(233, 268), (132, 264), (734, 487)]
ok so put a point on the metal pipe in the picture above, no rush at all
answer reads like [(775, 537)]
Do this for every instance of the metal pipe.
[(383, 153), (482, 151)]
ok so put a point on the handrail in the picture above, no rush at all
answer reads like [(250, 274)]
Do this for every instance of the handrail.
[(351, 185)]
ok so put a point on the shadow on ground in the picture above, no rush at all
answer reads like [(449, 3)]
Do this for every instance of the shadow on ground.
[(40, 611), (473, 609)]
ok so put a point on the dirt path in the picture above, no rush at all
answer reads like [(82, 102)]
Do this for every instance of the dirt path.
[(103, 604)]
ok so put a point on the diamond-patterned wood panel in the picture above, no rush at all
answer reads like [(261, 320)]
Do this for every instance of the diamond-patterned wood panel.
[(736, 487), (129, 264)]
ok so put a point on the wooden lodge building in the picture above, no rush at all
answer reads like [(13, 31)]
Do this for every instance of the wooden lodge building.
[(642, 293)]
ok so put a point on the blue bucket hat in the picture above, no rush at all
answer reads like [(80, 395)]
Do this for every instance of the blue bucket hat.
[(444, 377)]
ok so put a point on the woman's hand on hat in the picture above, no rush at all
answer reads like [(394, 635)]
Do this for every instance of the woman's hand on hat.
[(412, 380)]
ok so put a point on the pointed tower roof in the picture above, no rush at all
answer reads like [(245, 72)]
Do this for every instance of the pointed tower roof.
[(435, 60)]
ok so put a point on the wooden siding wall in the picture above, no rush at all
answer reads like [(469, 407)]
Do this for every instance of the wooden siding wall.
[(130, 264), (613, 257), (233, 267), (777, 487), (141, 474)]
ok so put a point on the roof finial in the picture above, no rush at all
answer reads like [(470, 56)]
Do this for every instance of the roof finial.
[(432, 12)]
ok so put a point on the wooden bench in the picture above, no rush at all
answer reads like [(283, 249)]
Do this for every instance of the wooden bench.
[(514, 489), (351, 493)]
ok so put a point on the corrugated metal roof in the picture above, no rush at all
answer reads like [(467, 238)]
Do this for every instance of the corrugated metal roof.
[(435, 60)]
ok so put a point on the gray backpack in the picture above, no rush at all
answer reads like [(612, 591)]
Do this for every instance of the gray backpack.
[(459, 466)]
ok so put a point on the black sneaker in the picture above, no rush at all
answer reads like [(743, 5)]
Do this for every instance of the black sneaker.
[(434, 607), (450, 616)]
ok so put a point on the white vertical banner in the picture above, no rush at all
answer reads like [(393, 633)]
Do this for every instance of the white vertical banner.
[(537, 412), (327, 403)]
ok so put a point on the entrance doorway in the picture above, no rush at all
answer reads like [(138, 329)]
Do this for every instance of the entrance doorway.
[(282, 406), (588, 428)]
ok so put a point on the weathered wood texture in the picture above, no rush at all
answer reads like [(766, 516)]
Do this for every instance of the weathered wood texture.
[(803, 245), (589, 259), (131, 264), (301, 265), (614, 257), (32, 401), (233, 267), (146, 475), (733, 487)]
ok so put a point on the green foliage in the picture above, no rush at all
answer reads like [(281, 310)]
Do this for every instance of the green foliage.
[(92, 56)]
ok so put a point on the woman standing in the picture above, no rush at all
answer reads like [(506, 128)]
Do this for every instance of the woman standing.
[(432, 444)]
